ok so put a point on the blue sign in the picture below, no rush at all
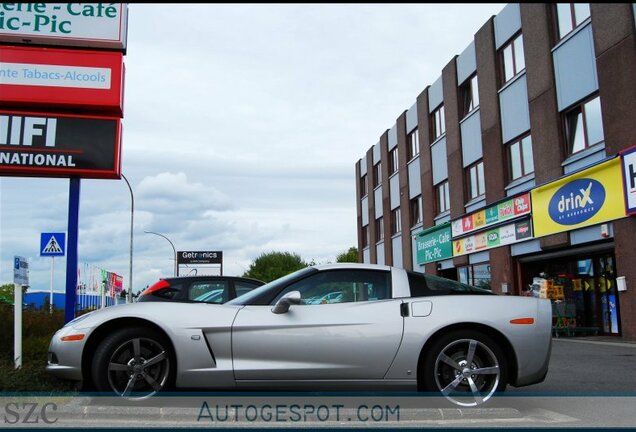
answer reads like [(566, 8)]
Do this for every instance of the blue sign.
[(577, 201), (20, 271), (52, 244)]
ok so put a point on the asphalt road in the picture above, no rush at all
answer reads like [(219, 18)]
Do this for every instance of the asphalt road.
[(591, 384), (590, 365)]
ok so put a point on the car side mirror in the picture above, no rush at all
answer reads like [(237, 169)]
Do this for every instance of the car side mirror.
[(283, 304)]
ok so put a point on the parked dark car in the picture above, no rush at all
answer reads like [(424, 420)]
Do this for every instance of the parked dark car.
[(204, 289)]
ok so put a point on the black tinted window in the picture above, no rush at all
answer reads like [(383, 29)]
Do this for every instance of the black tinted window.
[(422, 285)]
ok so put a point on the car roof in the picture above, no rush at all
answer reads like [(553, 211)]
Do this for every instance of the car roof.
[(210, 277), (352, 266)]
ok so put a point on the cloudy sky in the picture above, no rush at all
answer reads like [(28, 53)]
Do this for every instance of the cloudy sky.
[(242, 127)]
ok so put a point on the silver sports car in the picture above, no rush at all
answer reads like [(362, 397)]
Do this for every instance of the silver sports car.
[(384, 328)]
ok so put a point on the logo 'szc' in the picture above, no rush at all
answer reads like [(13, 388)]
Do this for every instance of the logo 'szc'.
[(576, 201)]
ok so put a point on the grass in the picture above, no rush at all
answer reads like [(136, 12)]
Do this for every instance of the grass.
[(38, 328)]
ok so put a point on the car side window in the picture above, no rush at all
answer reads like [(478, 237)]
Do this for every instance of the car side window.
[(242, 287), (342, 286), (209, 292)]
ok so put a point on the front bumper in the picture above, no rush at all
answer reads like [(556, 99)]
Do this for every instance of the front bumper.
[(65, 357)]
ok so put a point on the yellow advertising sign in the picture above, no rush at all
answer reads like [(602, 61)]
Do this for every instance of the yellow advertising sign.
[(588, 197)]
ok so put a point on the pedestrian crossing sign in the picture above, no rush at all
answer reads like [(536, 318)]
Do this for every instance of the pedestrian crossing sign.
[(52, 244)]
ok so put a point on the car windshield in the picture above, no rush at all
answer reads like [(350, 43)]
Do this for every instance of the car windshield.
[(271, 286)]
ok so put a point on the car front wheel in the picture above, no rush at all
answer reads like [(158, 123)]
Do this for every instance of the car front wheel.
[(134, 363), (466, 367)]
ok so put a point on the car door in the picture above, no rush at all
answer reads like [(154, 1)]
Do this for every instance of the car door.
[(355, 337)]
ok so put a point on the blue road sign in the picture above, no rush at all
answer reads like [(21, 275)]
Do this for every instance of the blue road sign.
[(52, 244)]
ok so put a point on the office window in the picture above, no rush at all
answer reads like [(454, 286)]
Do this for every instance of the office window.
[(396, 221), (438, 123), (393, 161), (584, 125), (379, 229), (416, 210), (470, 95), (570, 16), (443, 197), (413, 144), (365, 236), (377, 174), (513, 61), (476, 180), (364, 187), (520, 157)]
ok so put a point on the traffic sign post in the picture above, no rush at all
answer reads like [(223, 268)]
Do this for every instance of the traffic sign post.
[(52, 244), (20, 278)]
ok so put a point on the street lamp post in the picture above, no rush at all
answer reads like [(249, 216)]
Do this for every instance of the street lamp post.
[(132, 213), (173, 249)]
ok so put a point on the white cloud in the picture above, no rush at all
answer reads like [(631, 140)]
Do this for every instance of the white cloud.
[(243, 123)]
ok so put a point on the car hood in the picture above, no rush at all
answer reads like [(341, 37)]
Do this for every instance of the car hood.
[(162, 313)]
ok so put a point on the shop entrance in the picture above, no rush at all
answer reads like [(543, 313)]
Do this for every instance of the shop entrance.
[(582, 289)]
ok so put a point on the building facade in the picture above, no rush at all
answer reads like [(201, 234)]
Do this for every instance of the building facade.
[(491, 176)]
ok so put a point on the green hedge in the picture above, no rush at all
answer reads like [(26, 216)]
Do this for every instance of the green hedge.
[(37, 329)]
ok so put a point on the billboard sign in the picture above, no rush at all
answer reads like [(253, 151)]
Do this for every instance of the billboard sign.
[(587, 197), (59, 145), (91, 25), (434, 244), (62, 78), (200, 257), (494, 214), (499, 236)]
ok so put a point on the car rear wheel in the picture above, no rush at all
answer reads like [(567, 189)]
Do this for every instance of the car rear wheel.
[(134, 363), (466, 367)]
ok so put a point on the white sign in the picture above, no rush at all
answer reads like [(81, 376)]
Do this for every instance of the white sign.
[(20, 271), (99, 25), (54, 76), (629, 178)]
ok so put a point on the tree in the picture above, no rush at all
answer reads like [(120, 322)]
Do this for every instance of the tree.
[(272, 265), (350, 256)]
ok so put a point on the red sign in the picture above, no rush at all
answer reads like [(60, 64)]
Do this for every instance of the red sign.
[(522, 204), (59, 145), (60, 78)]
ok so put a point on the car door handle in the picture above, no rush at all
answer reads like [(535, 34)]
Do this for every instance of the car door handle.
[(404, 309)]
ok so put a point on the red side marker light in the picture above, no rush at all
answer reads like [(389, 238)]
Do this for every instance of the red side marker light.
[(522, 321), (70, 338)]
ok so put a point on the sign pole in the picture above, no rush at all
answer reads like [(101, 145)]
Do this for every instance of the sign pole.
[(51, 295), (71, 260), (17, 319)]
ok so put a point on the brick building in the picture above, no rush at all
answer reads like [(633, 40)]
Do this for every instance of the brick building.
[(542, 102)]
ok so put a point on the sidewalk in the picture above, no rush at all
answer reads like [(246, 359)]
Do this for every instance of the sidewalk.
[(600, 340)]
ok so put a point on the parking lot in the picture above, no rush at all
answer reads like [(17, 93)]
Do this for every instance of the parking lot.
[(591, 383)]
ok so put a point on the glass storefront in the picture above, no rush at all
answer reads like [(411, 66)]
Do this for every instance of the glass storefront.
[(582, 290), (476, 275)]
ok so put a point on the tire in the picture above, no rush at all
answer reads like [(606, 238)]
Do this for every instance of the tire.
[(134, 363), (447, 368)]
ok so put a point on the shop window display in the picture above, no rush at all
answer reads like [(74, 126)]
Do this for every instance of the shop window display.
[(582, 291)]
